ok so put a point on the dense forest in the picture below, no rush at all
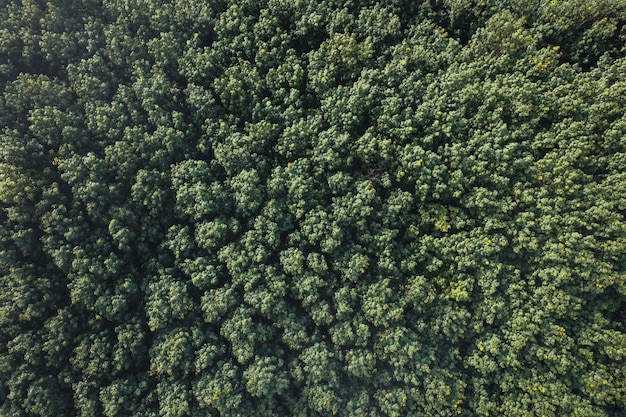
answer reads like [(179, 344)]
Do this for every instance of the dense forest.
[(312, 208)]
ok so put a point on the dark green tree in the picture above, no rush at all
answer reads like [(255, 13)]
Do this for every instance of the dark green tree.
[(313, 208)]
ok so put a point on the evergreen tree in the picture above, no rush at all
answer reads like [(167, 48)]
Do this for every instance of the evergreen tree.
[(307, 208)]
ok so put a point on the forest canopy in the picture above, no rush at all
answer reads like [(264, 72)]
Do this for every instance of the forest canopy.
[(312, 208)]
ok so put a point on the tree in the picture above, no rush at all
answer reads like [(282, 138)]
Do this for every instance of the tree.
[(312, 208)]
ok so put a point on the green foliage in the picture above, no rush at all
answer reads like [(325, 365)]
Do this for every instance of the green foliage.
[(313, 208)]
